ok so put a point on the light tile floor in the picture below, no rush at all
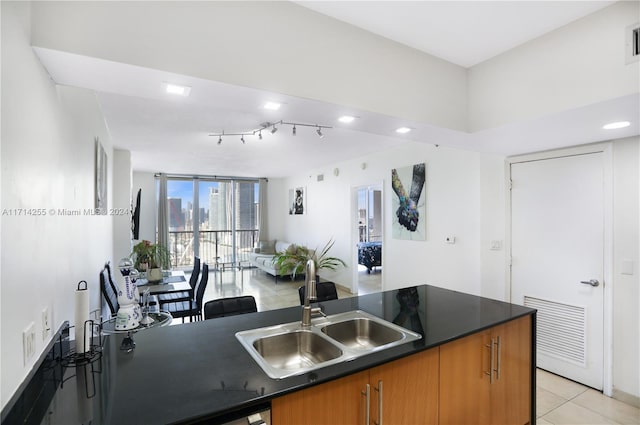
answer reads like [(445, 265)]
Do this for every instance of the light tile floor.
[(564, 402), (559, 401)]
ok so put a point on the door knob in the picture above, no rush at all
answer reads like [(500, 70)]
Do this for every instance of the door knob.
[(592, 282)]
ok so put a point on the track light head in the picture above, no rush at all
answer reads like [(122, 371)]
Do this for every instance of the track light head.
[(294, 129), (319, 131), (260, 134), (274, 129), (242, 139), (219, 140)]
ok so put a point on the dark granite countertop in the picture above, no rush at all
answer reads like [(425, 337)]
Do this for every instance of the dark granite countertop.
[(180, 374)]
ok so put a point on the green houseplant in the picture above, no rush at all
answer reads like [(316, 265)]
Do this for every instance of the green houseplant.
[(147, 256), (294, 259)]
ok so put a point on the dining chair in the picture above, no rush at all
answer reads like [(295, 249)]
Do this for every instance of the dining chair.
[(229, 306), (325, 291), (109, 292), (191, 308), (184, 295)]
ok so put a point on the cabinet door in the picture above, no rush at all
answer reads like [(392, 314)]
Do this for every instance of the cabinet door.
[(464, 382), (338, 402), (409, 390), (511, 390)]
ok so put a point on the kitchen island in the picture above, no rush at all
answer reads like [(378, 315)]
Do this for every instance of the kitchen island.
[(200, 372)]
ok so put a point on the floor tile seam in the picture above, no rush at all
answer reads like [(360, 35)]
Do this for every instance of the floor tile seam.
[(614, 422), (602, 413)]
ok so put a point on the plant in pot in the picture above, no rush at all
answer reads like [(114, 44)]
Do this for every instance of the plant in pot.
[(151, 258), (294, 259)]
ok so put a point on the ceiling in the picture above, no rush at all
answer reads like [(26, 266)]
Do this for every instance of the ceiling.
[(173, 134), (463, 32)]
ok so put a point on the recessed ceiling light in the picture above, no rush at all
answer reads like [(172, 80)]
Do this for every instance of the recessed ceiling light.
[(272, 106), (614, 125), (177, 89), (346, 118), (403, 130)]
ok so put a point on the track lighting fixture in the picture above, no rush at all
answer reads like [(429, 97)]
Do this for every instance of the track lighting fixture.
[(273, 128)]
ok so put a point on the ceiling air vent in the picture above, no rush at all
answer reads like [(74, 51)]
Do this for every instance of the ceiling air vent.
[(633, 43)]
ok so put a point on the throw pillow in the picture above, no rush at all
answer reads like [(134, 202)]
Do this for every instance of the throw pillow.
[(267, 247)]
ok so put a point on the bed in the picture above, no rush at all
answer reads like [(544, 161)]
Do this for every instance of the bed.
[(370, 254)]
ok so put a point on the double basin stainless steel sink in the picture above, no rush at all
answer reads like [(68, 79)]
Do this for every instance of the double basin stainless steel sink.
[(288, 349)]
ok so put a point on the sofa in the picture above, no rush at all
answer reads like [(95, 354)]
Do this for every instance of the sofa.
[(262, 256)]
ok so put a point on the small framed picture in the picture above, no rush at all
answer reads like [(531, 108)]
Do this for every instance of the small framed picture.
[(101, 177), (297, 201)]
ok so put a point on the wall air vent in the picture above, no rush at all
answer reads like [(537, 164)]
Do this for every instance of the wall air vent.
[(632, 43)]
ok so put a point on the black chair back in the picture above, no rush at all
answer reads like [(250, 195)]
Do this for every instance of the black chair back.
[(195, 273), (325, 291), (109, 293), (204, 279), (230, 306)]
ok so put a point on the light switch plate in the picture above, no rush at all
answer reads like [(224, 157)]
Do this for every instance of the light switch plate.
[(626, 267)]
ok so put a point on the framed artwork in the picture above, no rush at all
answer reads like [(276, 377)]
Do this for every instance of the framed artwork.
[(297, 201), (409, 204), (101, 177)]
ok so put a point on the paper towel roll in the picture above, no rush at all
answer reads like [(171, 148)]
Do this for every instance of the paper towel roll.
[(81, 316)]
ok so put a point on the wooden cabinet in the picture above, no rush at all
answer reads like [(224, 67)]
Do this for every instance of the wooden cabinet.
[(336, 402), (485, 378), (409, 390), (405, 391)]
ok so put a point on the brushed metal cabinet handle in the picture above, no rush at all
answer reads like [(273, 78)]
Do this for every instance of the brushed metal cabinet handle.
[(379, 390), (367, 411), (491, 359), (499, 361)]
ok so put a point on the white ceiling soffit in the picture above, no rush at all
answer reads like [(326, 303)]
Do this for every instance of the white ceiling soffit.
[(462, 32), (173, 132)]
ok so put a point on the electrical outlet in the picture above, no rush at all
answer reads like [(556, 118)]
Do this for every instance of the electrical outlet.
[(46, 328), (29, 342)]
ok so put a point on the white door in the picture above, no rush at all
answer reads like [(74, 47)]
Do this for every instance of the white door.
[(557, 249)]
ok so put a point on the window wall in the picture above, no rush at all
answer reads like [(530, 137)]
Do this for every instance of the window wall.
[(215, 219)]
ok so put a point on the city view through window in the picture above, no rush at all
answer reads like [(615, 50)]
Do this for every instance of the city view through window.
[(215, 220)]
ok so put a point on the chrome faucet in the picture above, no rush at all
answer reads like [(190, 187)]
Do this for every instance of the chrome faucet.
[(309, 294)]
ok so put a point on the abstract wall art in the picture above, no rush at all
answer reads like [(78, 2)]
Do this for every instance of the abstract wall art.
[(409, 203), (100, 178)]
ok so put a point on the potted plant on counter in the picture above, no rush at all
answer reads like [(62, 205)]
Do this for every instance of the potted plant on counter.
[(294, 259), (151, 258)]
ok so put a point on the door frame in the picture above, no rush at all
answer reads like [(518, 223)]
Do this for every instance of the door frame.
[(355, 232), (607, 156)]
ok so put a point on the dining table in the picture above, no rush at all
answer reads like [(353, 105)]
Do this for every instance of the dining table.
[(172, 281)]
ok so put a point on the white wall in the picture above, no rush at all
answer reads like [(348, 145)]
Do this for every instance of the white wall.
[(146, 182), (626, 288), (576, 65), (276, 46), (453, 190), (47, 163), (466, 199)]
